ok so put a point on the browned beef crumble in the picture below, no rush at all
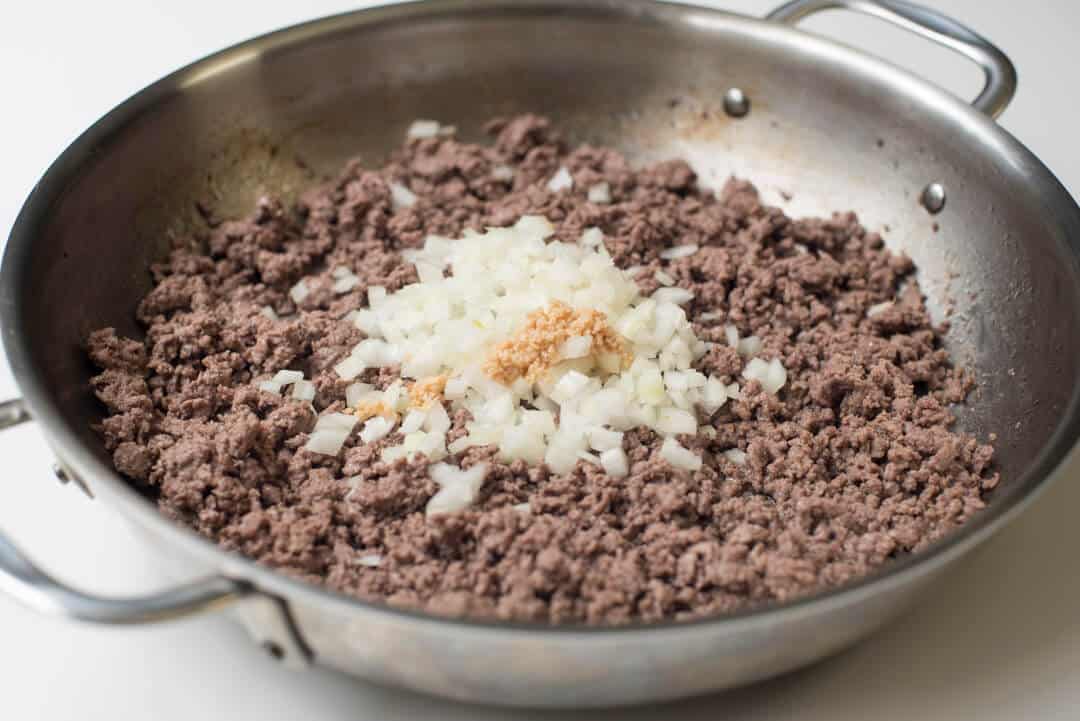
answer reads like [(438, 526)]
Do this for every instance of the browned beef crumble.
[(853, 463)]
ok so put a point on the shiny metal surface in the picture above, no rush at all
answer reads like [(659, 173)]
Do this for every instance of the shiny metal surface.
[(830, 128), (997, 68)]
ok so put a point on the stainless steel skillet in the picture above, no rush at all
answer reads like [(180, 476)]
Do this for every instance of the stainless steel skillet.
[(829, 126)]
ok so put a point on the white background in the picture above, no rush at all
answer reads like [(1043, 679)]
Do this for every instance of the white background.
[(999, 640)]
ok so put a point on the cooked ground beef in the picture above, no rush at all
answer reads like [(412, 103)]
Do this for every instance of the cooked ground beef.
[(851, 464)]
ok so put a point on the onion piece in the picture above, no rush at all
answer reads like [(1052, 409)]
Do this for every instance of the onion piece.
[(678, 296), (678, 456), (675, 421), (356, 392), (578, 346), (375, 429), (350, 367), (423, 129), (679, 251), (457, 487), (270, 387), (562, 180), (600, 194), (735, 456), (614, 462), (402, 197), (878, 308), (303, 390), (300, 291), (370, 560)]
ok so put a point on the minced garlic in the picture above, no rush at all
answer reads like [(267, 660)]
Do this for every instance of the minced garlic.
[(428, 390), (535, 348), (370, 409)]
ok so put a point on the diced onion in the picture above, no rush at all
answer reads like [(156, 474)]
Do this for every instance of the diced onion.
[(678, 251), (678, 456), (284, 378), (423, 129), (576, 347), (345, 284), (592, 237), (735, 456), (673, 421), (303, 390), (562, 180), (457, 487), (370, 560), (771, 375), (270, 387), (678, 296), (350, 367), (401, 196), (614, 462), (356, 392), (414, 421), (375, 429), (749, 346), (604, 439), (300, 291), (600, 194), (878, 308)]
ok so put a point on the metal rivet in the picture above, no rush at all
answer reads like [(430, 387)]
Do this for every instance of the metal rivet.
[(933, 198), (276, 652), (60, 473), (736, 104)]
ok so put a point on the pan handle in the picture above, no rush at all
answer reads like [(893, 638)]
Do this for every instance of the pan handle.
[(28, 584), (999, 71)]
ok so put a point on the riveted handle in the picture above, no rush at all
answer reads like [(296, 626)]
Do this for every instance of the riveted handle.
[(997, 68), (28, 584)]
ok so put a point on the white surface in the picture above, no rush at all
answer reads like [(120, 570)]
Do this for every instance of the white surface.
[(999, 640)]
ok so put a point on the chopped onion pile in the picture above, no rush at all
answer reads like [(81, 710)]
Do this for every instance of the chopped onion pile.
[(445, 325)]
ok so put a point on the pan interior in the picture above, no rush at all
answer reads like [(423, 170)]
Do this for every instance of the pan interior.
[(822, 134)]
